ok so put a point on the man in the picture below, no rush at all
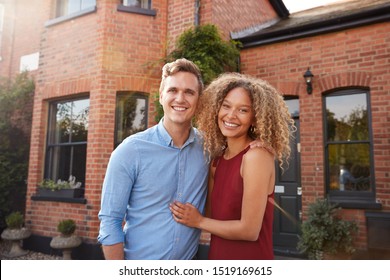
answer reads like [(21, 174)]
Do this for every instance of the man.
[(153, 168)]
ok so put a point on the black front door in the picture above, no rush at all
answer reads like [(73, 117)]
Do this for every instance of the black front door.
[(288, 204)]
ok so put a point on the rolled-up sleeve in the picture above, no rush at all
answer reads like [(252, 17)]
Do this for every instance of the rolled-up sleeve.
[(116, 191)]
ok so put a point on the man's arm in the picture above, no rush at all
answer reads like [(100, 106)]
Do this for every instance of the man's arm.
[(113, 252)]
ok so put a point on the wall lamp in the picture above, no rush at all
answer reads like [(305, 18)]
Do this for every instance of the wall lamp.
[(308, 80)]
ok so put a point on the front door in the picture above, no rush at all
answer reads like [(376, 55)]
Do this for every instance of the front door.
[(288, 203)]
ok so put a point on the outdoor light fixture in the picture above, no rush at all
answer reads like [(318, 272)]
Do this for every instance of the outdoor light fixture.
[(308, 79)]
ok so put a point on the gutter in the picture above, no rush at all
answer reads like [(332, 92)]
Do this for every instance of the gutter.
[(363, 18)]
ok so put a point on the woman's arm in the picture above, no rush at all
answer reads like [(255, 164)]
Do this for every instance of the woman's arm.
[(258, 172)]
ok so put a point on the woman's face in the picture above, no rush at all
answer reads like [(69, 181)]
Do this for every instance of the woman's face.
[(236, 115)]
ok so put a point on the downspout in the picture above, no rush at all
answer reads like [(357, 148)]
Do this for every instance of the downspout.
[(197, 8)]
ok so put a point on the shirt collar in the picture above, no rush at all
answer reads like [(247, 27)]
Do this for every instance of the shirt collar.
[(167, 139)]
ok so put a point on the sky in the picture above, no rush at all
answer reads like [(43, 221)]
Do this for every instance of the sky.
[(299, 5)]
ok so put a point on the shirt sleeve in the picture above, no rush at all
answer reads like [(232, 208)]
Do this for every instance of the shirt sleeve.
[(117, 186)]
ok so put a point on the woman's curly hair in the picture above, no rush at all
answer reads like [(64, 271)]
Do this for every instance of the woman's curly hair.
[(273, 124)]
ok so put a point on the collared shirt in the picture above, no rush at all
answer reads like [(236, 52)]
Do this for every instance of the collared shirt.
[(144, 175)]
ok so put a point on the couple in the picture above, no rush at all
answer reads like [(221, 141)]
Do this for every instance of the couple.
[(157, 180)]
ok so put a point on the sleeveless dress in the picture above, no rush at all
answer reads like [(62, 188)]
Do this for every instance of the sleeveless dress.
[(226, 202)]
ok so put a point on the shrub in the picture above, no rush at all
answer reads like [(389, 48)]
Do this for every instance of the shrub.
[(204, 46), (14, 220), (325, 232), (66, 227), (16, 97)]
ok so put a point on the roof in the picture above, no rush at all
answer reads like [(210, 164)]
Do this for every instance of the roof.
[(324, 19)]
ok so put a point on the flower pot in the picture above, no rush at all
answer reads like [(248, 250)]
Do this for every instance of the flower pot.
[(16, 236), (66, 193), (66, 244)]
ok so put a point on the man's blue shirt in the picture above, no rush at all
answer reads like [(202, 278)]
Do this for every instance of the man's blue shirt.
[(144, 175)]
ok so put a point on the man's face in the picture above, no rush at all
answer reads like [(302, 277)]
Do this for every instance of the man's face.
[(179, 98)]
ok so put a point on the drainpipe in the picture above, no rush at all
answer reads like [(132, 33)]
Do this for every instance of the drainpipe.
[(197, 7)]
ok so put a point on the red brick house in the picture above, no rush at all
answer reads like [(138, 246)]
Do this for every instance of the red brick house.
[(97, 66)]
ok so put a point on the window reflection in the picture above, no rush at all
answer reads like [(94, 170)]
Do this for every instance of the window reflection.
[(346, 117), (131, 113), (348, 144), (67, 140), (349, 166)]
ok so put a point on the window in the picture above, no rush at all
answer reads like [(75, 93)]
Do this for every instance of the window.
[(348, 152), (66, 7), (67, 140), (144, 4), (130, 116), (143, 7)]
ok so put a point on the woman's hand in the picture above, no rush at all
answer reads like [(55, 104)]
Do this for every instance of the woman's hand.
[(186, 214)]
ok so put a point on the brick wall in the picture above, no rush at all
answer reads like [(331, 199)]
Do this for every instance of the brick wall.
[(23, 26), (98, 54), (354, 57), (228, 14)]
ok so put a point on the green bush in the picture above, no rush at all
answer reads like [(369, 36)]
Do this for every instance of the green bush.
[(66, 227), (204, 46), (16, 97), (14, 220), (325, 232)]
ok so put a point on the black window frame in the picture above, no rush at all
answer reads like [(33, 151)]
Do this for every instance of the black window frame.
[(51, 130), (350, 199)]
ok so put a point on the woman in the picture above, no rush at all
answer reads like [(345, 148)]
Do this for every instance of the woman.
[(241, 180)]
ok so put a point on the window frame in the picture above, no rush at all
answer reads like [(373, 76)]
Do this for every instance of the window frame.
[(51, 129), (350, 199)]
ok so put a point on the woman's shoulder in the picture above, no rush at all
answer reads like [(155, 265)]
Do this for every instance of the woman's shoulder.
[(259, 153)]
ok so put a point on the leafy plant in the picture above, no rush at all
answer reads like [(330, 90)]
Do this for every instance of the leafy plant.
[(14, 220), (66, 227), (60, 184), (204, 46), (325, 232), (16, 97)]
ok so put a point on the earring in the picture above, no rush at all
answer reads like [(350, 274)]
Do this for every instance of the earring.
[(252, 130)]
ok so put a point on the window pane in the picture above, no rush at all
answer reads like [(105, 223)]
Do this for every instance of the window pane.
[(346, 117), (78, 165), (130, 115), (59, 163), (80, 112), (73, 6), (144, 4), (293, 106), (349, 167), (63, 120), (87, 3), (67, 141), (71, 122), (66, 7)]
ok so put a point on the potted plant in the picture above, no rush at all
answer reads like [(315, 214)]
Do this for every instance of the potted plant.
[(67, 240), (15, 232), (61, 188), (325, 234)]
